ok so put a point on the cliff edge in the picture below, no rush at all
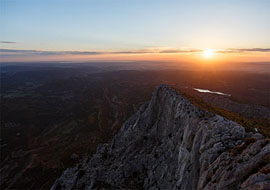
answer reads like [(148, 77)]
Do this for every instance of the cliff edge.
[(171, 144)]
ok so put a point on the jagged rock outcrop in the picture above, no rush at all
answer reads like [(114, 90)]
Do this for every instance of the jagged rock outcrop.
[(171, 144)]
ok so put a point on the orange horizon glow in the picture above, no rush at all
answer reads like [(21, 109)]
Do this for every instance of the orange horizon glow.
[(212, 56)]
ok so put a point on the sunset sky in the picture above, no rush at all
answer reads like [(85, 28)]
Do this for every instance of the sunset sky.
[(177, 30)]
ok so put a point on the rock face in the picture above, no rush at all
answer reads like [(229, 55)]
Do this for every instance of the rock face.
[(171, 144)]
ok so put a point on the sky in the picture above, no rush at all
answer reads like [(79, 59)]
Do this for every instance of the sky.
[(137, 29)]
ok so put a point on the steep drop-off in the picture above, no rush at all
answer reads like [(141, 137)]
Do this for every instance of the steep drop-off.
[(171, 144)]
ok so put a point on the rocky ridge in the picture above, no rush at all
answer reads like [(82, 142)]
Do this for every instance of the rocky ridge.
[(171, 144)]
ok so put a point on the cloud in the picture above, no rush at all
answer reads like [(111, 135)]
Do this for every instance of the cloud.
[(22, 52), (82, 52), (7, 42), (179, 51), (244, 50), (16, 50), (132, 52), (157, 50), (255, 49)]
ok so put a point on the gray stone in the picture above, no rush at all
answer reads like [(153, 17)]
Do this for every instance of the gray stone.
[(167, 144)]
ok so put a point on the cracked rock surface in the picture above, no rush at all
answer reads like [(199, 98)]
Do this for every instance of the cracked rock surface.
[(171, 144)]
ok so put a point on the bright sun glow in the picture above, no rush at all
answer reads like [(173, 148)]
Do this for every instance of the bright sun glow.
[(208, 53)]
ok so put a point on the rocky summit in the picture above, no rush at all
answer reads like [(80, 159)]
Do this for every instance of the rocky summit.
[(171, 144)]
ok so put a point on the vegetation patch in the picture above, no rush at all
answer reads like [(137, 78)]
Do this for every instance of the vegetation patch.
[(265, 170), (239, 149)]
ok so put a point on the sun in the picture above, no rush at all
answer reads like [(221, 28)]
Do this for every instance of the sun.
[(208, 53)]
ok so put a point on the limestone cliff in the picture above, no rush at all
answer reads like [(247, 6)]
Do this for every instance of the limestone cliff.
[(171, 144)]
